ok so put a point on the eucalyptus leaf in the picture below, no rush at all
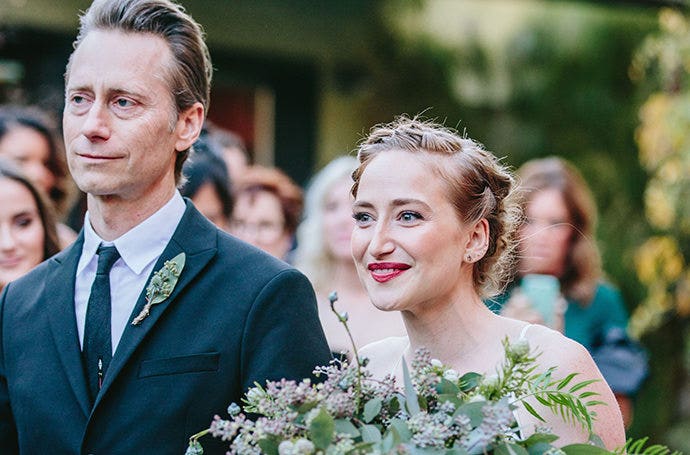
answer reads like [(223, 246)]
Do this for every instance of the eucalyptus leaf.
[(473, 411), (372, 409), (402, 429), (306, 407), (469, 381), (410, 394), (537, 438), (389, 441), (322, 429), (447, 387), (269, 445), (584, 449), (343, 426), (507, 448), (453, 398), (370, 433)]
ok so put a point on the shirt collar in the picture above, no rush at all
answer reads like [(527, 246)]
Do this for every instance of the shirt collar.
[(142, 244)]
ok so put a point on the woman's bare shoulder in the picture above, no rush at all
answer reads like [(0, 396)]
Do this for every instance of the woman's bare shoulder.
[(557, 350), (384, 356), (386, 347), (568, 356)]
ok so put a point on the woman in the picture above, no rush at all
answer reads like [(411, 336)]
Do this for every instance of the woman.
[(435, 224), (323, 254), (28, 137), (207, 184), (268, 206), (27, 227), (557, 245)]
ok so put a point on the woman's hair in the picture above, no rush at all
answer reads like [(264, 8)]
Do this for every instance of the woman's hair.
[(189, 75), (257, 179), (205, 166), (312, 256), (583, 262), (45, 211), (479, 187), (12, 117)]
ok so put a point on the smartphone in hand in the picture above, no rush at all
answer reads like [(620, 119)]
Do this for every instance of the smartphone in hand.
[(543, 292)]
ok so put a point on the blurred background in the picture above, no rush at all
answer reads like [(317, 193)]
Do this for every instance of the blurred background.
[(603, 84)]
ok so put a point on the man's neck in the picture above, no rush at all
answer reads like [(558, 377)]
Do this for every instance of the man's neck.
[(113, 216)]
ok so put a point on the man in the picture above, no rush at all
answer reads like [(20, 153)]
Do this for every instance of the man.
[(144, 377)]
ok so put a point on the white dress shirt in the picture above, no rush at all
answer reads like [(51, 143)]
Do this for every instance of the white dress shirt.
[(139, 249)]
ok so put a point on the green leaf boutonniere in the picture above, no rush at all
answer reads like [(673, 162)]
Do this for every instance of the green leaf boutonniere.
[(161, 285)]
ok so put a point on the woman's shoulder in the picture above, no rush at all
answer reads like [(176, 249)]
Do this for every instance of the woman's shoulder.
[(385, 355), (387, 346), (557, 350)]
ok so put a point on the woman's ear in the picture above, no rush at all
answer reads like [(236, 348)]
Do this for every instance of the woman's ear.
[(477, 241), (188, 126)]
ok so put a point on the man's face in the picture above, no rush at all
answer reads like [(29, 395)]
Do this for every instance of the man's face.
[(121, 129)]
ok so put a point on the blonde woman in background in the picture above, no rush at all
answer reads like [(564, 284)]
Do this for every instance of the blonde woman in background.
[(323, 254)]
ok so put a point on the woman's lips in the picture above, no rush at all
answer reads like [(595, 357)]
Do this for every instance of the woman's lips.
[(386, 271), (11, 262)]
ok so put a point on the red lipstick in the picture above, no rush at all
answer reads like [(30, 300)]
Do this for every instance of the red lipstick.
[(386, 271)]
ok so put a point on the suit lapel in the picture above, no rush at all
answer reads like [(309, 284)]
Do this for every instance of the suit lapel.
[(63, 323), (195, 237)]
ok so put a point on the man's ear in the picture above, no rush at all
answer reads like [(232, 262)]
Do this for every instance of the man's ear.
[(478, 241), (188, 126)]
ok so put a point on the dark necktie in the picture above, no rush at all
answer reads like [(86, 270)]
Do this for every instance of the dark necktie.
[(97, 350)]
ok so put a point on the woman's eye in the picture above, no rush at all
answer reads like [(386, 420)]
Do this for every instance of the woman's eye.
[(410, 216), (24, 222), (361, 217)]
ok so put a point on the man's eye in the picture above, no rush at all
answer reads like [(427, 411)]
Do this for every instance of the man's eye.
[(78, 99), (123, 102)]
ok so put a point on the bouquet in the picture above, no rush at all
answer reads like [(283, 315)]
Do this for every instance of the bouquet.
[(436, 411)]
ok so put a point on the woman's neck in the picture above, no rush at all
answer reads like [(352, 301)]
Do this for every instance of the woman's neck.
[(453, 333)]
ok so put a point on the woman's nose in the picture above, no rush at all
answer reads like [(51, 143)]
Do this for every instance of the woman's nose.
[(382, 241), (7, 241)]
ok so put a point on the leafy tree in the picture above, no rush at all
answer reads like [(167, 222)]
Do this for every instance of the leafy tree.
[(662, 66)]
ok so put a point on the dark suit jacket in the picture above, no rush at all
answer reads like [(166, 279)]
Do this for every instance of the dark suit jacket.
[(236, 316)]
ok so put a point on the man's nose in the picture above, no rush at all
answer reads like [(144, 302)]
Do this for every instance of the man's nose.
[(97, 122)]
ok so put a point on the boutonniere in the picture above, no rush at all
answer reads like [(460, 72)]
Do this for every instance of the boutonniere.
[(161, 285)]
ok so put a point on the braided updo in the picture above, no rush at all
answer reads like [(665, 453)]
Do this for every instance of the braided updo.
[(478, 186)]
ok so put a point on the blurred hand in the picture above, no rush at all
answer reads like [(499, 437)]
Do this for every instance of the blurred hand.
[(519, 307)]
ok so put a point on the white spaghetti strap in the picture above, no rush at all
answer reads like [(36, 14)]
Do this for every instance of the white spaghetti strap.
[(524, 330)]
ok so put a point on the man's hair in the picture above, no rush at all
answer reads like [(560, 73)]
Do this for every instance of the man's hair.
[(190, 75)]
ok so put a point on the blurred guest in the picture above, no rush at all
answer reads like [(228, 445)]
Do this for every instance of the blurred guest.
[(232, 149), (28, 137), (27, 225), (268, 206), (559, 278), (207, 184), (323, 254)]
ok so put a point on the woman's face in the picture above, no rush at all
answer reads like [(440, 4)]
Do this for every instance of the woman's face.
[(337, 220), (31, 151), (258, 219), (207, 201), (408, 242), (546, 234), (21, 232)]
